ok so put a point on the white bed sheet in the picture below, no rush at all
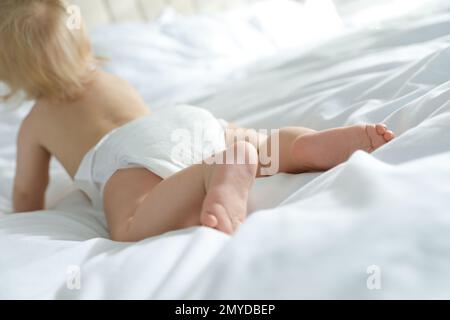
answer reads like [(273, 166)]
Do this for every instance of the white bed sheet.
[(312, 235)]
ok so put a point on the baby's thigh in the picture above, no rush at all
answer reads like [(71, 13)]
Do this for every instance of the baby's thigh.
[(123, 193)]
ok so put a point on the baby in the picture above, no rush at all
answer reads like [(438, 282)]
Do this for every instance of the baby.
[(121, 154)]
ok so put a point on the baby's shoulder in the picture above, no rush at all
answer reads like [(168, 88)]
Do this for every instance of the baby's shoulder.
[(33, 120)]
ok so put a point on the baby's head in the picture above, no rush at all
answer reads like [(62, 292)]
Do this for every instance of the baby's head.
[(39, 53)]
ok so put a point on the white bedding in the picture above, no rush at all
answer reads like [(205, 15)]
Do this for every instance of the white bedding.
[(310, 235)]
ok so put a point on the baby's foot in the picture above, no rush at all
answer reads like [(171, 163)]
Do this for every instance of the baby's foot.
[(225, 205), (327, 149)]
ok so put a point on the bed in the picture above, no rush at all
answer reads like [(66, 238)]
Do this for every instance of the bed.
[(375, 227), (102, 12)]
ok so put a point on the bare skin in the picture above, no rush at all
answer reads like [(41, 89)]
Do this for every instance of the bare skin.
[(139, 204), (67, 130)]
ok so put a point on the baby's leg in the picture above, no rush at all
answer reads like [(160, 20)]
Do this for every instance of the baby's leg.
[(326, 149), (302, 149), (214, 195)]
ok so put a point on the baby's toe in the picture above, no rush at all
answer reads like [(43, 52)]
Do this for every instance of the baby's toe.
[(215, 216), (388, 135), (381, 128), (209, 220), (376, 140)]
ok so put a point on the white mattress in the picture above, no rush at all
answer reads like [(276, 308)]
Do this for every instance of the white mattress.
[(310, 235)]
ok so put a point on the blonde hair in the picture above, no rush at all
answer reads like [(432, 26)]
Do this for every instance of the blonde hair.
[(40, 54)]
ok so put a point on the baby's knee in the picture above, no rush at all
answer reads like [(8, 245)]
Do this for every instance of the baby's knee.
[(122, 232), (119, 236)]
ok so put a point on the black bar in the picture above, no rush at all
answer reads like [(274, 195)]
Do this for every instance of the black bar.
[(223, 309)]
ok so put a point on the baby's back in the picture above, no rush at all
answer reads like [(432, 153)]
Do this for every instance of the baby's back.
[(68, 130)]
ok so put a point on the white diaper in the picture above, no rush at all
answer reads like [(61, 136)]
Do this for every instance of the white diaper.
[(163, 142)]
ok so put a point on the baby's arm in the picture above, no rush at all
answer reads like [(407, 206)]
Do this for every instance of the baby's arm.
[(32, 171)]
